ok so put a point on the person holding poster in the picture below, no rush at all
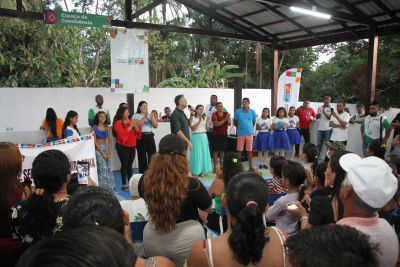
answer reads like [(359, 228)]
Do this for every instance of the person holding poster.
[(102, 139), (244, 120), (126, 132), (69, 127)]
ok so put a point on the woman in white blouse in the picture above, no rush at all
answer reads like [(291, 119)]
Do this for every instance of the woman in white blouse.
[(200, 160)]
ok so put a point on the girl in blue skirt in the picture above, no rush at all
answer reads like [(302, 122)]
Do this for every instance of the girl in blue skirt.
[(293, 132), (263, 142), (280, 138), (200, 159)]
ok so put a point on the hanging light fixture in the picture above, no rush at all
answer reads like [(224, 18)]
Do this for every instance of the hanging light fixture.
[(312, 12)]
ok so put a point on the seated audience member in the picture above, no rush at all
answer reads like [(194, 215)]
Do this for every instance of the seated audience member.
[(376, 148), (88, 246), (167, 116), (73, 184), (232, 165), (388, 210), (368, 186), (10, 170), (52, 126), (173, 199), (97, 206), (293, 176), (332, 147), (39, 216), (331, 246), (275, 185), (70, 128), (396, 146), (310, 158), (319, 176), (136, 206), (247, 241)]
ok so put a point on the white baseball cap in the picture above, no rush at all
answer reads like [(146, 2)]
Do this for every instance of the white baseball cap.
[(371, 178), (134, 184)]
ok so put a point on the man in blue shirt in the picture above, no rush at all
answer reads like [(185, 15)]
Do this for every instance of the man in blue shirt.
[(244, 120)]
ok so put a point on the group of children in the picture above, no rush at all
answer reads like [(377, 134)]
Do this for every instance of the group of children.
[(279, 134)]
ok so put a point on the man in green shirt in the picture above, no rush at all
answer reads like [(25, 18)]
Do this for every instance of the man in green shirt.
[(99, 107), (179, 122), (375, 126)]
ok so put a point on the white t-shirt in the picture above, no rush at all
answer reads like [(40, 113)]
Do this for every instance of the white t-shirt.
[(136, 209), (202, 126), (280, 123), (265, 125), (209, 110), (293, 121), (323, 123), (340, 134)]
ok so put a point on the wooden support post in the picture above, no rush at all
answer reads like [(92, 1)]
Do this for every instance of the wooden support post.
[(372, 64), (237, 93), (130, 100), (274, 79), (128, 10)]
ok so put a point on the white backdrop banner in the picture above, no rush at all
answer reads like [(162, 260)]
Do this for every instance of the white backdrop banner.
[(129, 60), (76, 149), (289, 87)]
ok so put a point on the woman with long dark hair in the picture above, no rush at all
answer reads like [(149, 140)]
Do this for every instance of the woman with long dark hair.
[(146, 146), (102, 137), (69, 128), (126, 132), (247, 241), (10, 169), (52, 126), (38, 216), (173, 226)]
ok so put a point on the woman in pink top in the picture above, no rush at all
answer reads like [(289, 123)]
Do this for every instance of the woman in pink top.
[(126, 131)]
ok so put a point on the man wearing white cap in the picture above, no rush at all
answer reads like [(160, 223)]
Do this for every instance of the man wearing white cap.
[(136, 206), (368, 186)]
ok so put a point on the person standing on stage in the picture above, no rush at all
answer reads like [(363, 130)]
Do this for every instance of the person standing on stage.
[(146, 146), (99, 107), (179, 122), (306, 114), (244, 120)]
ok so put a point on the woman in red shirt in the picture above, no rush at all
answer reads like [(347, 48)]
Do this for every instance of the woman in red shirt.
[(126, 132)]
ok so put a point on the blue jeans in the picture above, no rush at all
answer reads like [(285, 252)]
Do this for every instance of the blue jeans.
[(322, 137)]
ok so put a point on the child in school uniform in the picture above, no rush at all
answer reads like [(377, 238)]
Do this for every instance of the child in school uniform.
[(263, 142), (280, 138)]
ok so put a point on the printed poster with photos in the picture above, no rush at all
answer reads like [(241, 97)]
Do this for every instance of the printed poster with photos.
[(129, 60), (289, 88)]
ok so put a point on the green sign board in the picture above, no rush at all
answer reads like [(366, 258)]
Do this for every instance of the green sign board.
[(75, 19)]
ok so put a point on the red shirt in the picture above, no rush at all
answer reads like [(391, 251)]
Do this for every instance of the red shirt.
[(222, 129), (125, 137), (305, 115)]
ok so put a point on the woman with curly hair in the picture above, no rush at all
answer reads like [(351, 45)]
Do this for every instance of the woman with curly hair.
[(247, 242), (173, 199)]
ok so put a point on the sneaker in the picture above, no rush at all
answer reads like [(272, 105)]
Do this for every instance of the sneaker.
[(265, 166)]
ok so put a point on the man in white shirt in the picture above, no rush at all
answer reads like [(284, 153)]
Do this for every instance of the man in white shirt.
[(368, 186), (339, 122), (99, 107), (136, 206), (324, 116)]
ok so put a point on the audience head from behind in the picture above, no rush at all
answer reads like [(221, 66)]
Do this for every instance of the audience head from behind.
[(293, 175), (73, 184), (310, 155), (246, 201), (331, 246), (86, 246), (368, 186), (332, 147), (93, 206), (38, 216), (376, 148), (169, 168), (320, 174), (335, 174), (10, 170), (276, 164), (231, 166)]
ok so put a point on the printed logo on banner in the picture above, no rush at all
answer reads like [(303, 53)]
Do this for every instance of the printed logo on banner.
[(289, 88), (76, 149)]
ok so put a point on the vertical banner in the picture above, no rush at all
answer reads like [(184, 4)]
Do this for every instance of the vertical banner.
[(289, 88), (77, 149), (129, 60)]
